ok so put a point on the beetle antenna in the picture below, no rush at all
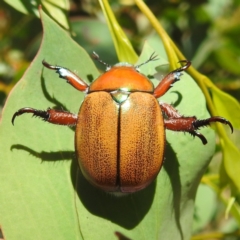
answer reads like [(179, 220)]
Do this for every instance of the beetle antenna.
[(153, 57), (95, 56)]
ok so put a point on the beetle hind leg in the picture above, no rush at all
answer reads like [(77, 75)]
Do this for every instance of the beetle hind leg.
[(177, 122), (50, 115)]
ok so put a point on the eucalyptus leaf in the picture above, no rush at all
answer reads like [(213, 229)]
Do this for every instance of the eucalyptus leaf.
[(205, 207), (122, 44), (57, 9), (231, 165), (227, 106), (26, 7), (228, 57), (86, 35)]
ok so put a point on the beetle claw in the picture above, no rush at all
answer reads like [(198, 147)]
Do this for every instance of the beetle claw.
[(184, 67), (199, 135), (13, 118), (22, 111), (206, 122), (47, 65)]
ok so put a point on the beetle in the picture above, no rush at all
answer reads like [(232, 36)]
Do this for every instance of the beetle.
[(120, 127)]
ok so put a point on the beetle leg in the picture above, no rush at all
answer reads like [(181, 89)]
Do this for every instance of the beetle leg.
[(177, 122), (68, 75), (171, 78), (50, 115)]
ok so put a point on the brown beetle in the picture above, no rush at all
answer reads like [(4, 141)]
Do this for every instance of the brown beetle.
[(120, 128)]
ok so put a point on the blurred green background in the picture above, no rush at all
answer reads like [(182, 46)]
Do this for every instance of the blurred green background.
[(207, 32)]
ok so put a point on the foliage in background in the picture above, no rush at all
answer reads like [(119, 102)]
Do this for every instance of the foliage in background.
[(207, 32)]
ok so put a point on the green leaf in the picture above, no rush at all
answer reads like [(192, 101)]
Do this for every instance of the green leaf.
[(85, 34), (26, 7), (37, 195), (205, 207), (123, 46), (231, 165), (43, 195), (57, 9), (227, 57), (226, 106)]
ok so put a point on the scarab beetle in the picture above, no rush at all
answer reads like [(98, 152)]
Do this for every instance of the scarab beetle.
[(120, 127)]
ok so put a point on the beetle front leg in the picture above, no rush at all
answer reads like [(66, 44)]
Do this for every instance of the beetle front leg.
[(50, 115), (171, 78), (177, 122), (68, 75)]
